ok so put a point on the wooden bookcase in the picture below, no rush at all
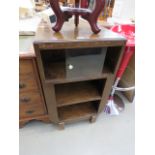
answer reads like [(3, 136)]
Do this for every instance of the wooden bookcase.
[(77, 71)]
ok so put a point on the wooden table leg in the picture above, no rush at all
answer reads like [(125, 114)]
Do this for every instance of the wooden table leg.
[(76, 20), (59, 15), (77, 5), (92, 17)]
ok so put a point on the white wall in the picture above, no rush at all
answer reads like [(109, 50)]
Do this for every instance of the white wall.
[(124, 9)]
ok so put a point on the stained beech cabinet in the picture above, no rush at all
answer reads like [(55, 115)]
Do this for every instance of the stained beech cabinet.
[(77, 70)]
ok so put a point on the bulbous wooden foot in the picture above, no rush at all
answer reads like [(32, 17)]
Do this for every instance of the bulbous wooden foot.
[(57, 26), (76, 20), (61, 125), (93, 119), (59, 15), (94, 27)]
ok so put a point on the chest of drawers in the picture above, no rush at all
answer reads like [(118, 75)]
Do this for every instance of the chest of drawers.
[(31, 99)]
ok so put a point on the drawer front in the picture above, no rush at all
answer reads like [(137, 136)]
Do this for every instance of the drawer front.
[(31, 104), (26, 66), (27, 82)]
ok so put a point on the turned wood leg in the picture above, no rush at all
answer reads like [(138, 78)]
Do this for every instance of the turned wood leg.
[(92, 17), (93, 23), (93, 119), (77, 4), (94, 26), (61, 125), (59, 15), (76, 20)]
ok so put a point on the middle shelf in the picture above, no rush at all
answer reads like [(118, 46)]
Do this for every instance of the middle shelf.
[(77, 92)]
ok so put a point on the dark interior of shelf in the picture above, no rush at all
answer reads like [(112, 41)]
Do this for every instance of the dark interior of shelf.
[(86, 62), (112, 56), (76, 92), (54, 64), (77, 111)]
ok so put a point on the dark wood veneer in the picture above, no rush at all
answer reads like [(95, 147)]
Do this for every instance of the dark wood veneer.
[(77, 92), (72, 98)]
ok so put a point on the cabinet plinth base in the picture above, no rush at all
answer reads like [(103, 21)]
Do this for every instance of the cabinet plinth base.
[(43, 118)]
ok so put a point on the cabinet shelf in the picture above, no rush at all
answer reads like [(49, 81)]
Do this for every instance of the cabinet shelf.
[(55, 70), (77, 112), (56, 73), (68, 65), (73, 93)]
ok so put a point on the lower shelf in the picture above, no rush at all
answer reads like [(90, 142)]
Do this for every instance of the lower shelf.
[(77, 111)]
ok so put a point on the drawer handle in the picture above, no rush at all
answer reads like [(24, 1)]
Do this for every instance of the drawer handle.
[(30, 111), (22, 85), (25, 99)]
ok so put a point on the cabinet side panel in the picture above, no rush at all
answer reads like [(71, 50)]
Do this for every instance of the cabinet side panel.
[(106, 92), (49, 93), (110, 81), (39, 84), (48, 89), (119, 60), (39, 62)]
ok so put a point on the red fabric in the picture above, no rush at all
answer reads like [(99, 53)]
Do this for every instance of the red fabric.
[(128, 31), (125, 60)]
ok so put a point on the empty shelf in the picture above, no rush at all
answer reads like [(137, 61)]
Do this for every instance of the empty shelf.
[(73, 93), (77, 112)]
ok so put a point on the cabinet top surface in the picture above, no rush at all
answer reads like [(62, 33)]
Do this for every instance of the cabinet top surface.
[(70, 33)]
